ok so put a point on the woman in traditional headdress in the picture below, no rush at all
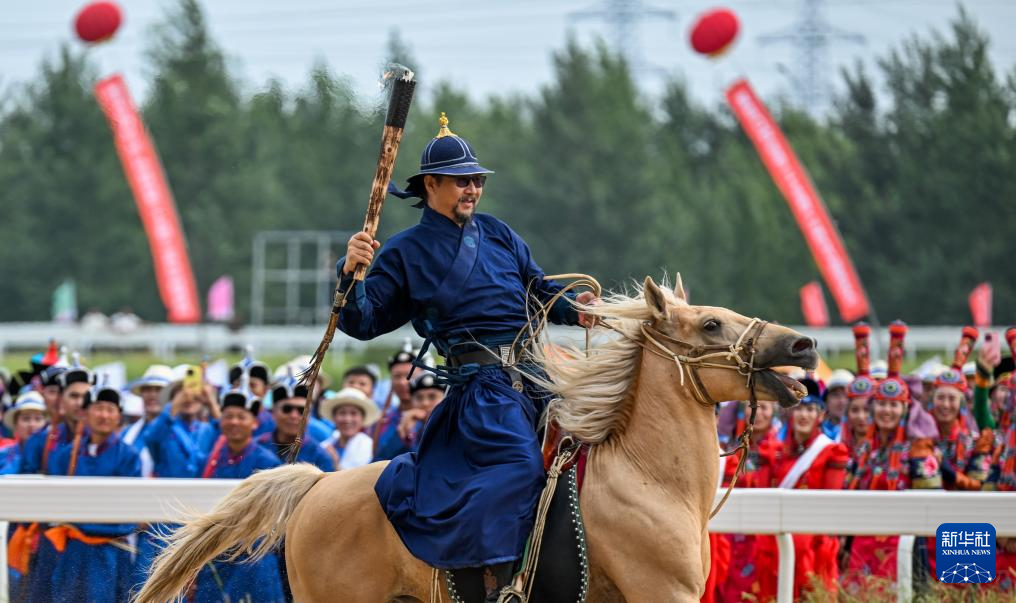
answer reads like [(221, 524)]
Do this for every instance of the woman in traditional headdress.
[(897, 453), (859, 392), (804, 458), (964, 452), (998, 416)]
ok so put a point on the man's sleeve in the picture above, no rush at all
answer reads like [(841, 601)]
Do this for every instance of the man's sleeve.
[(562, 312), (31, 455), (379, 304)]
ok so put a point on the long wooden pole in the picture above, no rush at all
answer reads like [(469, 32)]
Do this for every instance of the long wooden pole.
[(391, 137)]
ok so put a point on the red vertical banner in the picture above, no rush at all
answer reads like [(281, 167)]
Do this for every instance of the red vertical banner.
[(980, 305), (813, 305), (147, 181), (808, 208)]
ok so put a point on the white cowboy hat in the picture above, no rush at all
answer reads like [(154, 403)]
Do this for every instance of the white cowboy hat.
[(839, 378), (350, 396), (31, 400), (157, 375)]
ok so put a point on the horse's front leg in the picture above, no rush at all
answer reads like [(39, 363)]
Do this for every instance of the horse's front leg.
[(642, 546)]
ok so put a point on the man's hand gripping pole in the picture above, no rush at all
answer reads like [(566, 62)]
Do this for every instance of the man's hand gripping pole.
[(403, 86)]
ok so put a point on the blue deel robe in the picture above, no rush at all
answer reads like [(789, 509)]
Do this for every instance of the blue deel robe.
[(240, 581), (467, 496), (10, 462), (32, 459), (310, 451), (179, 448), (31, 455), (10, 458), (832, 429), (389, 442), (89, 573)]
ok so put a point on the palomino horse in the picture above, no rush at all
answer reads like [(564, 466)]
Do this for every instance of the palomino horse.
[(650, 479)]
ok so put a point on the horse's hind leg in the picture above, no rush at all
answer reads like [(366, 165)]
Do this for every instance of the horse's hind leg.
[(340, 546)]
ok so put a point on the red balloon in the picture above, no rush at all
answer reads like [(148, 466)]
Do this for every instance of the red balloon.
[(98, 21), (714, 31)]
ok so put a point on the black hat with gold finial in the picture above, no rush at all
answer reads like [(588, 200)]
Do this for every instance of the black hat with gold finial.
[(447, 154)]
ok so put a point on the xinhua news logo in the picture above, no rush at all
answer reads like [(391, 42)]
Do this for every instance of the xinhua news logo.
[(965, 553)]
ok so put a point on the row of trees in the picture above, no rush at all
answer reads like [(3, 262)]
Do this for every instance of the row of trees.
[(597, 177)]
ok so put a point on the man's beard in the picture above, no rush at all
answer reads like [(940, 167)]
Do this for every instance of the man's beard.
[(463, 215)]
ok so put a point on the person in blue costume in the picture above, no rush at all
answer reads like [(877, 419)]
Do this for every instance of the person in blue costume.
[(289, 398), (26, 418), (258, 376), (387, 443), (353, 414), (178, 441), (72, 383), (75, 382), (149, 388), (179, 438), (236, 455), (363, 377), (427, 392), (92, 563), (836, 400), (466, 499), (317, 427)]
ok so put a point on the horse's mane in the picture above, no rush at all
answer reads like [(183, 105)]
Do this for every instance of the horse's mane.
[(590, 393)]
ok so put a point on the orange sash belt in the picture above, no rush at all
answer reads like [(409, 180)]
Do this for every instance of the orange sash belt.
[(59, 535), (19, 547)]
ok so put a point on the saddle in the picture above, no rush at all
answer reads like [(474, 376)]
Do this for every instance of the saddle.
[(562, 569)]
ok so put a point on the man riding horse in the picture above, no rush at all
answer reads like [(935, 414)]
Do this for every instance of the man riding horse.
[(465, 501)]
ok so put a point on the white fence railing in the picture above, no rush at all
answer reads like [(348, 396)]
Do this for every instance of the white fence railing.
[(748, 511), (166, 340)]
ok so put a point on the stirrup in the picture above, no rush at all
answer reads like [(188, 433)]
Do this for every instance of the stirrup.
[(510, 594)]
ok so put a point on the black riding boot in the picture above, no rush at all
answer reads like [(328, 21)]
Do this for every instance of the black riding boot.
[(495, 578), (482, 584)]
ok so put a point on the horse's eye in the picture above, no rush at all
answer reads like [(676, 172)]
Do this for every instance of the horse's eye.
[(711, 325)]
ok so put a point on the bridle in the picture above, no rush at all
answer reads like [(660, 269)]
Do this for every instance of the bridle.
[(738, 356)]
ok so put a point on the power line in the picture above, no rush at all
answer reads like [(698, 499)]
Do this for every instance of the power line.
[(810, 36), (623, 17)]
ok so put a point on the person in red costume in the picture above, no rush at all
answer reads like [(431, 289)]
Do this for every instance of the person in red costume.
[(964, 452), (736, 556), (897, 453), (993, 376), (804, 458), (859, 392)]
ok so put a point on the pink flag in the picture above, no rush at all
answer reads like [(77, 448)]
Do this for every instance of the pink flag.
[(810, 212), (173, 272), (980, 305), (220, 299), (813, 305)]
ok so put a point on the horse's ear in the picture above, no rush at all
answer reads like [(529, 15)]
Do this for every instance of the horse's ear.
[(679, 289), (655, 298)]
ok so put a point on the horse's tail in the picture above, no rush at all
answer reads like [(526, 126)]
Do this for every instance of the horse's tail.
[(251, 519)]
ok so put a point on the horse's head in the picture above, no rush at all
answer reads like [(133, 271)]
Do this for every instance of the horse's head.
[(709, 338)]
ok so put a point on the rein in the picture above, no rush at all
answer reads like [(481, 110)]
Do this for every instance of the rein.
[(739, 356)]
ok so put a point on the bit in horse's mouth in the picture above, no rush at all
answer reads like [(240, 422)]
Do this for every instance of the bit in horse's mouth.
[(787, 390), (795, 386)]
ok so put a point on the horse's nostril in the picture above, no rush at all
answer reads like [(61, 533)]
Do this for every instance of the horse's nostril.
[(803, 344)]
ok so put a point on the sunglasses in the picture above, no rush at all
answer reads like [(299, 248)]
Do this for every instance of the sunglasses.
[(478, 180), (287, 409)]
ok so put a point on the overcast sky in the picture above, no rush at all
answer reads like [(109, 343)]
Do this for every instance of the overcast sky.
[(486, 47)]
